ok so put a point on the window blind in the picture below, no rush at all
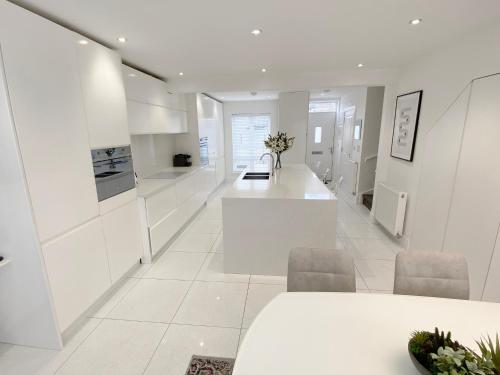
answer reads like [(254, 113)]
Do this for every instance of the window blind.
[(248, 134)]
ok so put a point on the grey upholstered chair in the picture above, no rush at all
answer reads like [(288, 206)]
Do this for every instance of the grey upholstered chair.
[(431, 274), (320, 270)]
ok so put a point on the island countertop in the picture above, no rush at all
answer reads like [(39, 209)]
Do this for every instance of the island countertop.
[(292, 181)]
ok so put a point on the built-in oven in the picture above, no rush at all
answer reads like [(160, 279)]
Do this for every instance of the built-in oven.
[(113, 171)]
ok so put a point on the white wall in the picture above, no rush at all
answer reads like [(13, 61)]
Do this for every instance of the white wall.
[(245, 107), (293, 120), (442, 76)]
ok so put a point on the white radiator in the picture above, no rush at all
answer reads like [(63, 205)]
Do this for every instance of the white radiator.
[(390, 206)]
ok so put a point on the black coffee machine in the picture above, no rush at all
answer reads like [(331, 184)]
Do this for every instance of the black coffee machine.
[(182, 160)]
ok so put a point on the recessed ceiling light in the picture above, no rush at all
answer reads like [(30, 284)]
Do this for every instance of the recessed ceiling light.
[(263, 70), (83, 42), (181, 73), (122, 39), (415, 21), (132, 75), (360, 65), (256, 32)]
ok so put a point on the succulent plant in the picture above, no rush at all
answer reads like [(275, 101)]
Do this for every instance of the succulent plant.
[(448, 361), (491, 351)]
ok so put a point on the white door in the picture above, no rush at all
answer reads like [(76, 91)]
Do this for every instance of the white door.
[(320, 143), (348, 166)]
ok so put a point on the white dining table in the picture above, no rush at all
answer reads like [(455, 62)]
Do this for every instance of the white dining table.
[(353, 333)]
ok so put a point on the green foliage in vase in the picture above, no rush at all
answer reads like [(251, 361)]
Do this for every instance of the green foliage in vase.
[(491, 350), (448, 361), (423, 343)]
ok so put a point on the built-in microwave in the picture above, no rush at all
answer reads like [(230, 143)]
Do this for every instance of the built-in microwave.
[(113, 171)]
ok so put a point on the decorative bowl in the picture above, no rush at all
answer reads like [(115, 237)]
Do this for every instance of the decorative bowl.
[(420, 368)]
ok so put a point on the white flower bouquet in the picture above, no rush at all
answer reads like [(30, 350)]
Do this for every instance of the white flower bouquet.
[(278, 144)]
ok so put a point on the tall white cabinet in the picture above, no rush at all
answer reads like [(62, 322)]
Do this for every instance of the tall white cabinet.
[(46, 98), (104, 95), (66, 98)]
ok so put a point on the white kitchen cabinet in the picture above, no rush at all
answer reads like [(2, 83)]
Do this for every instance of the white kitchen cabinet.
[(47, 104), (104, 95), (123, 239), (186, 188), (139, 117), (77, 268)]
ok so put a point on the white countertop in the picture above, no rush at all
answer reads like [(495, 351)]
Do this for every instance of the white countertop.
[(293, 181), (354, 333), (150, 186)]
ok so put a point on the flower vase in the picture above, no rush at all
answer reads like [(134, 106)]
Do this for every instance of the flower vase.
[(278, 160)]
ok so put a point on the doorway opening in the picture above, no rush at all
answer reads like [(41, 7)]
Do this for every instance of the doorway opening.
[(320, 139)]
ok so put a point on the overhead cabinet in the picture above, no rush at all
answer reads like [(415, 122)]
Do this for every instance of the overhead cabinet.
[(152, 108)]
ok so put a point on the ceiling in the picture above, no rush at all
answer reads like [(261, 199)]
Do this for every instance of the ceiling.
[(302, 41)]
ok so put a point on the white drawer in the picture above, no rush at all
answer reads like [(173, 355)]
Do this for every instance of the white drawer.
[(186, 188), (160, 205)]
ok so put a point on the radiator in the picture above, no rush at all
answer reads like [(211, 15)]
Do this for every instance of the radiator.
[(390, 206)]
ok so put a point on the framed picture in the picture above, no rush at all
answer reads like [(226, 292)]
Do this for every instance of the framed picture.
[(406, 118)]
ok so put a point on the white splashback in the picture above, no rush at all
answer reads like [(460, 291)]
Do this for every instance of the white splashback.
[(152, 153)]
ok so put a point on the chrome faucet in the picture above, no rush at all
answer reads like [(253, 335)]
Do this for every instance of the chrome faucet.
[(272, 161)]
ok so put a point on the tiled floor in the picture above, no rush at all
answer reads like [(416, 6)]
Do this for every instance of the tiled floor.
[(184, 304)]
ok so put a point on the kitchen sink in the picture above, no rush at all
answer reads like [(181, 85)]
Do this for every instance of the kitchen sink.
[(249, 176), (257, 174)]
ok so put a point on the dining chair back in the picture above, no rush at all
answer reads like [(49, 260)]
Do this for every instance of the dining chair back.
[(431, 274), (320, 270)]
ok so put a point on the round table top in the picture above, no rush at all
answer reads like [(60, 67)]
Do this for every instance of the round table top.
[(354, 333)]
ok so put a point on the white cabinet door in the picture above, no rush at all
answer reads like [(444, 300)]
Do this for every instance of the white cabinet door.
[(176, 122), (123, 239), (104, 95), (45, 92), (159, 119), (77, 269), (139, 117)]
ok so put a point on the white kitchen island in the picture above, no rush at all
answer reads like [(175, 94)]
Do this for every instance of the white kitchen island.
[(264, 219)]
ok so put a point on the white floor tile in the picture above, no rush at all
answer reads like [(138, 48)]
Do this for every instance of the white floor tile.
[(115, 298), (213, 270), (360, 282), (176, 265), (259, 295), (183, 341), (218, 246), (361, 230), (206, 226), (22, 360), (115, 347), (213, 304), (378, 274), (266, 279), (189, 242), (243, 332), (151, 300), (371, 248)]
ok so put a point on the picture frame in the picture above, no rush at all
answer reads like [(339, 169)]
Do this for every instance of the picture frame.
[(406, 119)]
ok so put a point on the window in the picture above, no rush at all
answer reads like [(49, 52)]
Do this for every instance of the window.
[(322, 107), (317, 134), (249, 133)]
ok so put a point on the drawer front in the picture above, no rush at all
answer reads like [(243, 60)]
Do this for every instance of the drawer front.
[(185, 189), (160, 205), (77, 268)]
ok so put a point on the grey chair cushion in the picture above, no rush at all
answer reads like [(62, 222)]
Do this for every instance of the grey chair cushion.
[(431, 274), (320, 270)]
